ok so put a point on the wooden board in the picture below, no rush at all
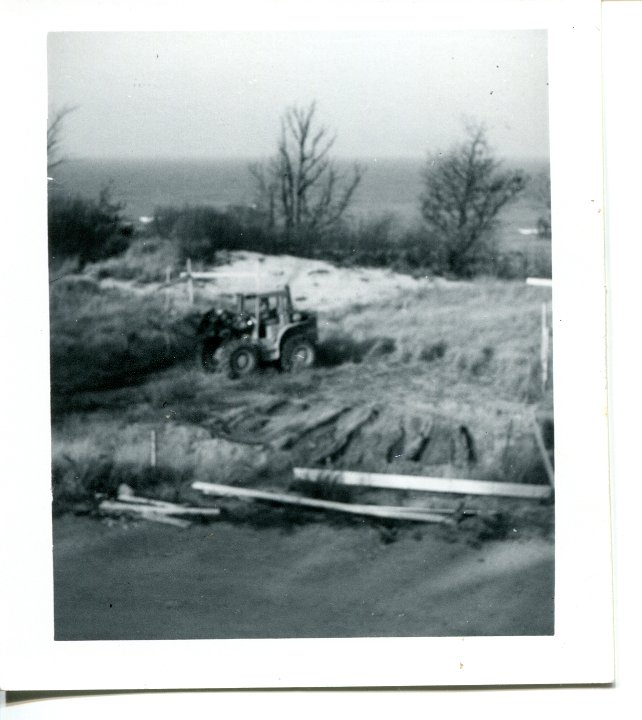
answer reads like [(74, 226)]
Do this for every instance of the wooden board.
[(160, 509), (368, 510), (539, 282), (428, 484), (135, 499), (144, 512)]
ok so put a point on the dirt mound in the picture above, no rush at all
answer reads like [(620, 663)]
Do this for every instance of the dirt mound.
[(315, 284), (271, 438)]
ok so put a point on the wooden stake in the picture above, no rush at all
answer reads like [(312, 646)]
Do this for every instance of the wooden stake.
[(543, 451), (152, 448), (544, 347), (168, 277), (190, 282)]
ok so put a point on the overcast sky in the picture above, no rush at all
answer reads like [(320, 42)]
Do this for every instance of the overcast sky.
[(221, 95)]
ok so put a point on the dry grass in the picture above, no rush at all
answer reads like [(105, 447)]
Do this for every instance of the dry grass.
[(146, 260), (108, 338), (467, 352), (482, 333)]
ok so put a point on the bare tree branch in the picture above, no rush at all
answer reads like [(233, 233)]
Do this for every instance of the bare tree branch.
[(54, 127), (309, 191)]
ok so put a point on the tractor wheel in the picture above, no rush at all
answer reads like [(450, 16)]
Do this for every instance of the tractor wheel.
[(297, 353), (209, 356), (239, 358)]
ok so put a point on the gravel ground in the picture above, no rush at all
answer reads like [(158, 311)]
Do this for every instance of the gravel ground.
[(138, 580)]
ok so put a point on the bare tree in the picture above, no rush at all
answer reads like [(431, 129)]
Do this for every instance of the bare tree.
[(464, 191), (300, 188), (54, 127)]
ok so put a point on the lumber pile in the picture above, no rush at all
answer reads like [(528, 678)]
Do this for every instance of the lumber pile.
[(379, 511), (433, 514)]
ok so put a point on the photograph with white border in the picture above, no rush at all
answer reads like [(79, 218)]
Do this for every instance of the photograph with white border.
[(298, 416)]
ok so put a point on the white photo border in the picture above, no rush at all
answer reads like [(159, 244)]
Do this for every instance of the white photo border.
[(581, 650)]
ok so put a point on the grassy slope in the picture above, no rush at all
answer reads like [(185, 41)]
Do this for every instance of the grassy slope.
[(463, 352)]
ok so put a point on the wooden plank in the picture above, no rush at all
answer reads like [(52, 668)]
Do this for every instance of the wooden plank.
[(428, 484), (123, 497), (127, 506), (286, 499), (165, 519), (539, 282), (153, 514), (450, 510)]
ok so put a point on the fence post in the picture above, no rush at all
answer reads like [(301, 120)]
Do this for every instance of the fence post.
[(152, 449), (190, 282), (544, 347), (168, 277)]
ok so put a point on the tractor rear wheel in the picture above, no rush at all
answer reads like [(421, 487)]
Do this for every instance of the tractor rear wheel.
[(297, 353), (239, 358)]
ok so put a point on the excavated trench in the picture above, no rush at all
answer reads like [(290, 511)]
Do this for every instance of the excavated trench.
[(270, 437)]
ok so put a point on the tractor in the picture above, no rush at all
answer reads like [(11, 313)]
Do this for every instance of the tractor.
[(264, 328)]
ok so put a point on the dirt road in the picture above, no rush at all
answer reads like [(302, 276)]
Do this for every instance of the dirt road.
[(224, 580)]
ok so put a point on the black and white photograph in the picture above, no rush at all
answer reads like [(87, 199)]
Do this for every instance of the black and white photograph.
[(301, 342), (313, 350)]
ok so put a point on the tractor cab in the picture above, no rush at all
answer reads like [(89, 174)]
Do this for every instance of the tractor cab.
[(267, 310)]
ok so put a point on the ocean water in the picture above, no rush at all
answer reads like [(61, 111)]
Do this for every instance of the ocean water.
[(389, 186)]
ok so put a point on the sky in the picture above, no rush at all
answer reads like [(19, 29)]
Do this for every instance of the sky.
[(208, 95)]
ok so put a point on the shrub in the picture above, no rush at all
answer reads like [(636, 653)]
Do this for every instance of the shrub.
[(86, 229), (518, 264), (201, 231), (433, 352), (81, 484), (145, 260), (481, 363), (74, 484), (341, 347)]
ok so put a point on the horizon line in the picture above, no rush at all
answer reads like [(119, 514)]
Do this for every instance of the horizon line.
[(258, 158)]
